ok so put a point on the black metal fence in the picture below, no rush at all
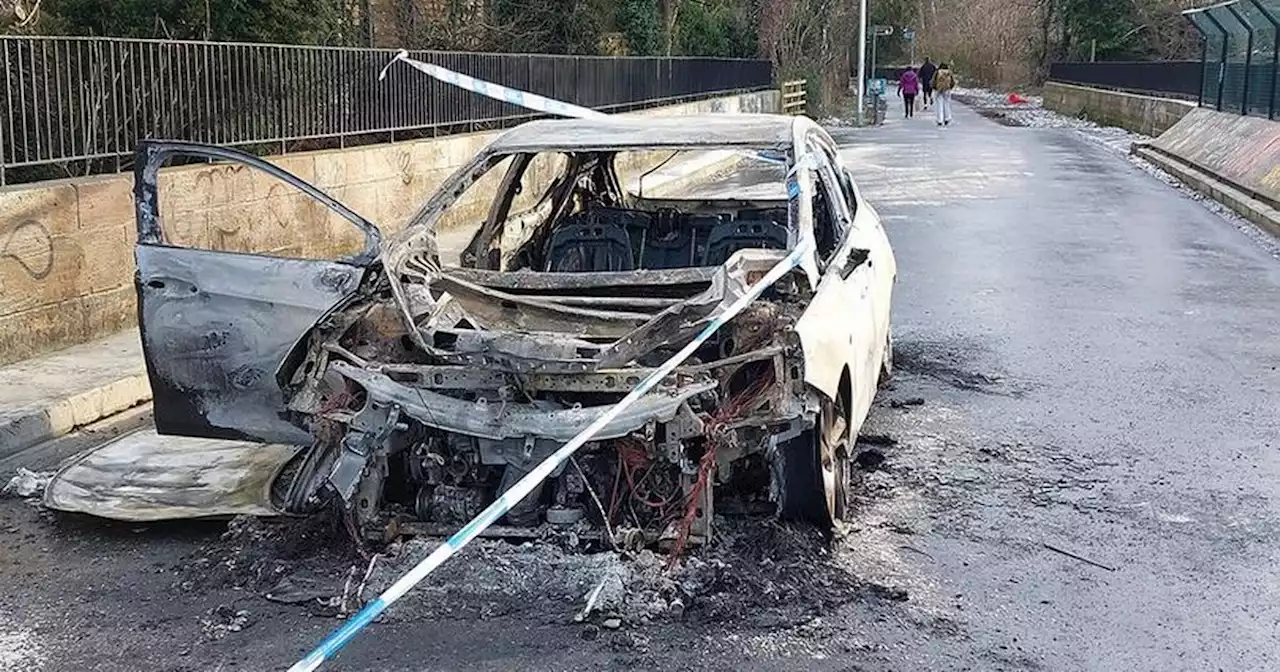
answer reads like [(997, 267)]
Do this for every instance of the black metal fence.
[(81, 103), (1239, 68), (1179, 79), (1241, 56)]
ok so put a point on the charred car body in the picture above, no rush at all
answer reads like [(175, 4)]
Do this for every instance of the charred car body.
[(424, 389)]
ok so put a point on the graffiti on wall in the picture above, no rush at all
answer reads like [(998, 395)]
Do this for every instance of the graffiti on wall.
[(28, 244)]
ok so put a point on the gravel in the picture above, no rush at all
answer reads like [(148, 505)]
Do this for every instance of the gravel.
[(20, 649)]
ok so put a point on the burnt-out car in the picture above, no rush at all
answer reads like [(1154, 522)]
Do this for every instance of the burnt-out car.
[(424, 386)]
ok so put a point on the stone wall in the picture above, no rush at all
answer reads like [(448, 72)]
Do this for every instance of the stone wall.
[(66, 247), (1242, 151), (1233, 159), (1148, 115)]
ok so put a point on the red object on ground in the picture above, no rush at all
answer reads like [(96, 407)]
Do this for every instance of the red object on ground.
[(1015, 99)]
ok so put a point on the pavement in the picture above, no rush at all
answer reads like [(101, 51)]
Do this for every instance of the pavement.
[(47, 397), (1089, 483)]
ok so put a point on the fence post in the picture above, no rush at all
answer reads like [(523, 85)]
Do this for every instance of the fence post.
[(7, 119), (1275, 54), (1222, 65), (1204, 57), (1204, 67), (1248, 58)]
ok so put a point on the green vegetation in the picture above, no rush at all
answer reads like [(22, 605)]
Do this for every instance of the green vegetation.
[(640, 22), (287, 21), (717, 27)]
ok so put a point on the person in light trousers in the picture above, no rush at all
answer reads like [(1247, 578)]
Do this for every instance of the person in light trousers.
[(943, 82)]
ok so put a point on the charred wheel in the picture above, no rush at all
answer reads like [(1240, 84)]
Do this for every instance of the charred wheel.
[(886, 360), (811, 471)]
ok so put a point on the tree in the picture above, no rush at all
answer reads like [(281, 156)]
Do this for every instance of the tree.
[(282, 21), (641, 22), (810, 39), (900, 14), (670, 14), (1107, 23), (717, 28)]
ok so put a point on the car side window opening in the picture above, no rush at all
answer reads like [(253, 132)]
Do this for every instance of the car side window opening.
[(831, 217), (515, 206), (234, 227), (839, 174)]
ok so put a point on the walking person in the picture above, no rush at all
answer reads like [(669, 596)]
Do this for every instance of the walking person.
[(926, 81), (908, 88), (943, 82)]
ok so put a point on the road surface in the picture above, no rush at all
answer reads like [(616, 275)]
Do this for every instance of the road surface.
[(1101, 353), (1097, 356)]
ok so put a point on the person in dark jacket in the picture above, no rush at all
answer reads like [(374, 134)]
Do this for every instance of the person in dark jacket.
[(926, 81)]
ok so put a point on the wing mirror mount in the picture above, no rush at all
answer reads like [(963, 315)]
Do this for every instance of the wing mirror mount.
[(856, 257)]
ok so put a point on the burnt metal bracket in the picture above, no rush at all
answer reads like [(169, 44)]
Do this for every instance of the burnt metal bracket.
[(368, 431)]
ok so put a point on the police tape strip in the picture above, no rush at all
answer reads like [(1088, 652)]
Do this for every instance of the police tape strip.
[(799, 257), (531, 101), (525, 99)]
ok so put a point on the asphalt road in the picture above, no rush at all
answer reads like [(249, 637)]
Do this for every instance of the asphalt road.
[(1103, 354), (1097, 358)]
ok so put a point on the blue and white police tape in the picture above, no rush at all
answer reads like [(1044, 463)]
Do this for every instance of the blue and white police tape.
[(336, 640), (525, 99), (531, 101)]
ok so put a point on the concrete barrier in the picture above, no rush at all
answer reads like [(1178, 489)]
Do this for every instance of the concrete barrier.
[(1148, 115), (1232, 158), (66, 247)]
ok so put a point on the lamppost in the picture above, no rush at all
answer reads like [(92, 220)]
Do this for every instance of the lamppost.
[(862, 57)]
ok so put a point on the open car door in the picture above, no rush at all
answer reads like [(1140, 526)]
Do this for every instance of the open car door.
[(218, 326)]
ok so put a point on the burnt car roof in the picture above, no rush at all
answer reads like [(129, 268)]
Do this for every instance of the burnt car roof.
[(756, 131)]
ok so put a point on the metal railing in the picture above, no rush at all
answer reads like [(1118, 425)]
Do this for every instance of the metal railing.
[(1180, 79), (1240, 55), (80, 104)]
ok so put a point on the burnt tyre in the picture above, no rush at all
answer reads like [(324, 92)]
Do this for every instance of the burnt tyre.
[(886, 361), (298, 488), (811, 472)]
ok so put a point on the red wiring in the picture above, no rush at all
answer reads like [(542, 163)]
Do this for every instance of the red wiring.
[(333, 403), (634, 458), (715, 434)]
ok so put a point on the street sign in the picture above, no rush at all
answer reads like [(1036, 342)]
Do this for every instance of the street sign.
[(883, 30), (909, 35)]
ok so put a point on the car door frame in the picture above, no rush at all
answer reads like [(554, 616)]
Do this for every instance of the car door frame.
[(219, 327), (846, 287)]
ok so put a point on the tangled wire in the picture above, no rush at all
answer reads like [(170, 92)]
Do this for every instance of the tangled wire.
[(718, 434), (638, 475)]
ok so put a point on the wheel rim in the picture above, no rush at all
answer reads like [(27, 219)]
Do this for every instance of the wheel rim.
[(833, 454)]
